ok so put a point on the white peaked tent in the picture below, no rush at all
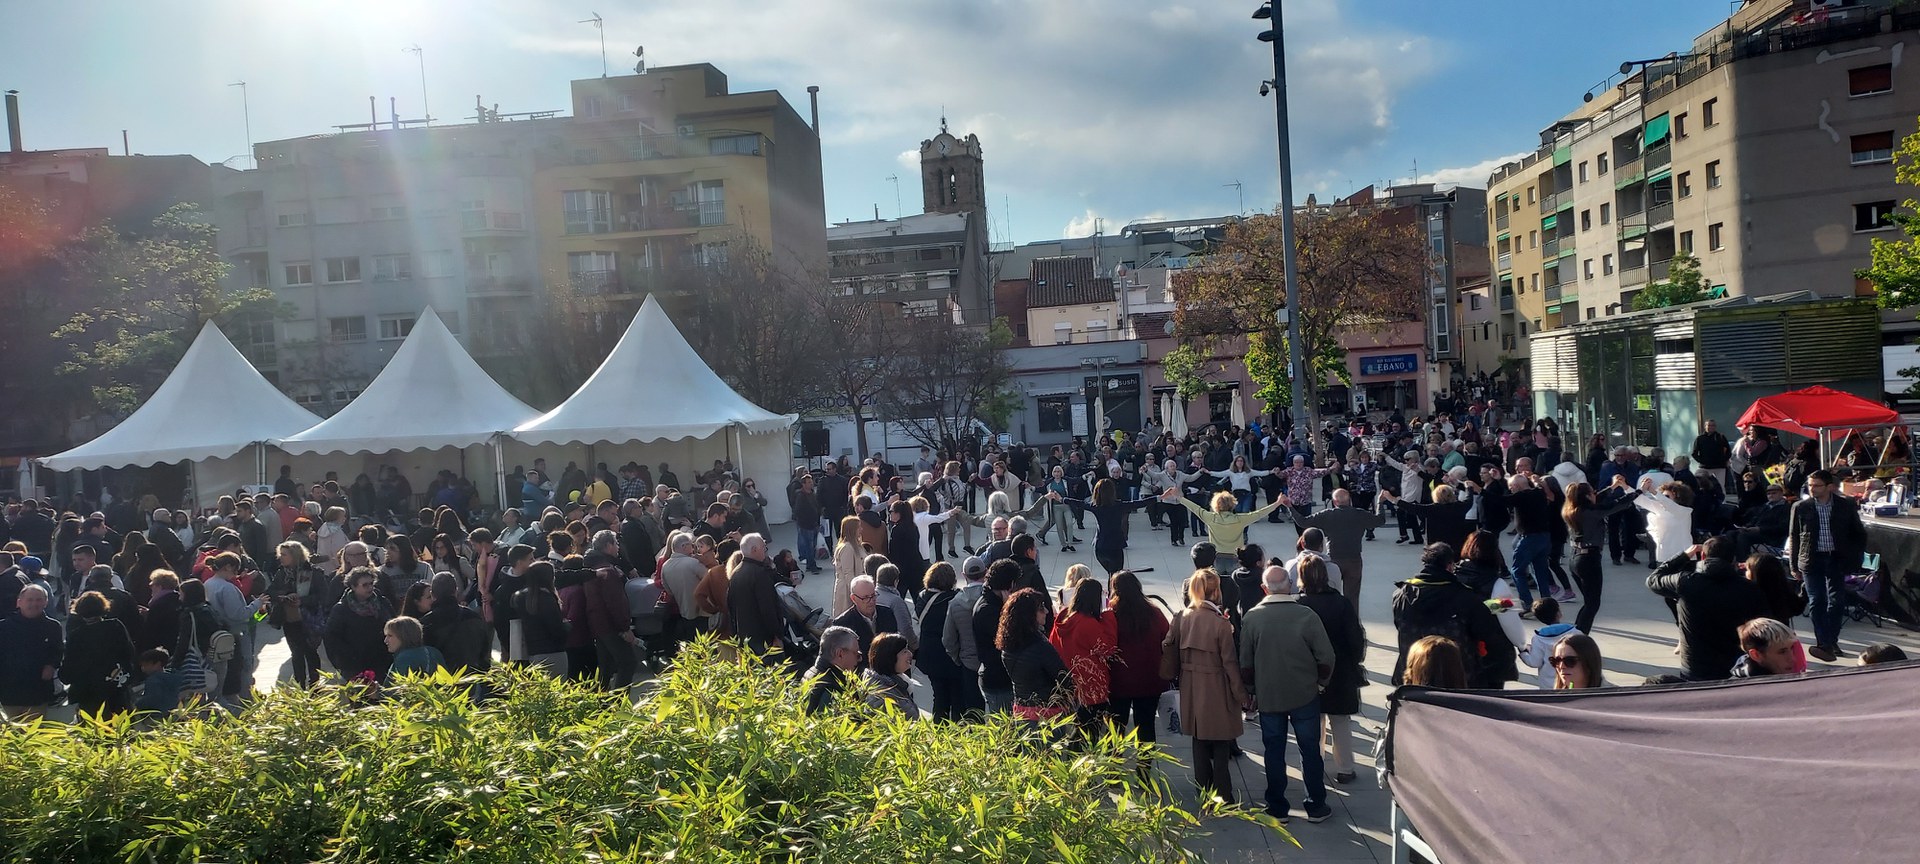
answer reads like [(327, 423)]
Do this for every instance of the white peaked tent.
[(212, 406), (654, 387), (430, 395)]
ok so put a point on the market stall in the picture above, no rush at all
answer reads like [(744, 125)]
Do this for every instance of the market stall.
[(1755, 770)]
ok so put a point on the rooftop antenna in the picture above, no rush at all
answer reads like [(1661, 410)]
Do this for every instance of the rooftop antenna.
[(897, 211), (1239, 192), (600, 25), (420, 54), (640, 68), (246, 117)]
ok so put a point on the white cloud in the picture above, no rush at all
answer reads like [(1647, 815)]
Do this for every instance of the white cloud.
[(1474, 175)]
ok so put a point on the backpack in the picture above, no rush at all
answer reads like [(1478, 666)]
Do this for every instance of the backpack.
[(649, 619)]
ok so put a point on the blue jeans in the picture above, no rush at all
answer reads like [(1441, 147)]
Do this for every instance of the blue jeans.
[(809, 541), (1825, 582), (998, 701), (1530, 563), (1243, 500), (1305, 721)]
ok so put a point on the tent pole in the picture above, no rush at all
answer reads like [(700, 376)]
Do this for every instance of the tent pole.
[(193, 487), (500, 468), (260, 462)]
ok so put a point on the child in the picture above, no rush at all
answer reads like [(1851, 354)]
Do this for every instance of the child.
[(1769, 650), (1882, 652), (1546, 610), (160, 686)]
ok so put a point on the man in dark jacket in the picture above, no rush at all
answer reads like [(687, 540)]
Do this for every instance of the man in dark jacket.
[(1434, 603), (608, 618), (866, 617), (1713, 601), (806, 521), (32, 647), (35, 529), (753, 606), (253, 535), (832, 495), (1767, 524), (996, 686), (1825, 541), (462, 637), (160, 533), (1711, 452)]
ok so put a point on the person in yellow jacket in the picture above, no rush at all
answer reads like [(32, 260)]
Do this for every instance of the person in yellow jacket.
[(1225, 528)]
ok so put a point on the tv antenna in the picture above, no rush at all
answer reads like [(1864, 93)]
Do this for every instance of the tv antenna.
[(246, 117), (599, 24), (895, 180), (1240, 193), (421, 55)]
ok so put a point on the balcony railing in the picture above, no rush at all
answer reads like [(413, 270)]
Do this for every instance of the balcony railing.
[(245, 238), (1658, 270), (1501, 221), (1658, 156), (1660, 214), (1552, 294), (492, 220), (1506, 261), (498, 286), (640, 148), (1551, 248), (1506, 302), (656, 219), (1549, 203), (1634, 275)]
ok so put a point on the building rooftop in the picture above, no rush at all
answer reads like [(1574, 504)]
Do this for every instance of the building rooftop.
[(1066, 281), (923, 223)]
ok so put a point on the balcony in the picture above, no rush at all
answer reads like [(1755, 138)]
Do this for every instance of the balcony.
[(1634, 275), (1628, 173), (658, 218), (1658, 270), (1500, 221), (499, 286), (1548, 202), (1658, 156), (1506, 302), (1552, 294), (1506, 261), (251, 238), (1550, 249), (490, 221), (642, 148), (1660, 215), (1633, 225)]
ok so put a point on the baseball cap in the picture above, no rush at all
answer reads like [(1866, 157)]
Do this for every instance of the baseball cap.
[(974, 566), (31, 564)]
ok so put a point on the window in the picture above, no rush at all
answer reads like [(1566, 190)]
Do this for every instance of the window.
[(1602, 164), (437, 262), (352, 329), (1606, 213), (626, 102), (1713, 174), (395, 326), (1586, 220), (1583, 172), (1706, 113), (1586, 269), (1870, 80), (1062, 332), (929, 254), (710, 254), (396, 211), (1680, 125), (308, 400), (590, 106), (712, 195), (299, 272), (1533, 239), (336, 211), (1056, 414), (1473, 302), (390, 267), (1606, 265), (1530, 198), (260, 343), (343, 270), (587, 211), (1873, 148), (1686, 242), (1590, 313), (737, 145), (1683, 184), (1536, 281), (1715, 242), (293, 220), (1873, 216)]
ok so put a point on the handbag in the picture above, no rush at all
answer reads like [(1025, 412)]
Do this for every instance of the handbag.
[(1170, 649), (194, 674)]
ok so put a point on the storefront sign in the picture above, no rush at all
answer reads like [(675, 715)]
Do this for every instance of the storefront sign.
[(1390, 364)]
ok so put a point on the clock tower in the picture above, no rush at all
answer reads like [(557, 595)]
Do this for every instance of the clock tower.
[(952, 179)]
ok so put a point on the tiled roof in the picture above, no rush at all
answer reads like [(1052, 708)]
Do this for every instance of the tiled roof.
[(1066, 281)]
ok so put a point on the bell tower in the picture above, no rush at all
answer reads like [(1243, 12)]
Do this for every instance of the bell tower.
[(952, 175)]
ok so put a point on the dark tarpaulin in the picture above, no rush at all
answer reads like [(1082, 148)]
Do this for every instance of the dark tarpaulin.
[(1812, 768)]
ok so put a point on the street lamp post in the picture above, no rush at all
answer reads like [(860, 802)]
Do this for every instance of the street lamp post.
[(1296, 353)]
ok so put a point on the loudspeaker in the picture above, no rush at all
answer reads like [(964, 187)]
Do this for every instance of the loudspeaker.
[(814, 442)]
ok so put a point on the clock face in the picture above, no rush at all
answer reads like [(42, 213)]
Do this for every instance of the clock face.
[(943, 148)]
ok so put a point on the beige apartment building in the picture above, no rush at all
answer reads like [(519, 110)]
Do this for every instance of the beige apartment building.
[(1765, 151)]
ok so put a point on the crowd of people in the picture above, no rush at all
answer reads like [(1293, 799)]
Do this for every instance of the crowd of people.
[(937, 577)]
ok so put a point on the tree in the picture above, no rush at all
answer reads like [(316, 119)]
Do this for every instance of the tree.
[(1361, 269), (946, 377), (857, 367), (1895, 272), (134, 304), (1683, 285)]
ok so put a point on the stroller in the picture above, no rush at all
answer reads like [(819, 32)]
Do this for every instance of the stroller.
[(805, 625), (1860, 599)]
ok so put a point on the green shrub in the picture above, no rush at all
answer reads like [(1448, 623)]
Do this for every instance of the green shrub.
[(716, 765)]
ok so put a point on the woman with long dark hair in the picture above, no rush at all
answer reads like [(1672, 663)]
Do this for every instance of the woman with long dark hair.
[(1482, 566), (1085, 638), (1139, 628), (403, 568), (1042, 687), (300, 597), (448, 558), (1110, 539), (1587, 527), (1576, 663), (1340, 698), (903, 547), (129, 555), (99, 657)]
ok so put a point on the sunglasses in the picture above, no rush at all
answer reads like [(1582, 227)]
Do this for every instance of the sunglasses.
[(864, 597), (1564, 662)]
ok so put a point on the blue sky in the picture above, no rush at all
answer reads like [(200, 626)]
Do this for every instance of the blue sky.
[(1109, 109)]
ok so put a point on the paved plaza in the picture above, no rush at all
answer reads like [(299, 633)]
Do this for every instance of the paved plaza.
[(1634, 629)]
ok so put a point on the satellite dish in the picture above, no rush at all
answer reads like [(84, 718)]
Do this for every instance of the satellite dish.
[(640, 68), (640, 51)]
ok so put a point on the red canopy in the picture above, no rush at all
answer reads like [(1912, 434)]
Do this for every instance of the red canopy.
[(1805, 412)]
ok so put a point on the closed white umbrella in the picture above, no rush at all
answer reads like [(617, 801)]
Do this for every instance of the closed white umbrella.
[(1237, 415), (1178, 425)]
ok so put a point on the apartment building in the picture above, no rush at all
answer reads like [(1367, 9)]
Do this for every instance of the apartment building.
[(932, 263), (655, 175), (1764, 151)]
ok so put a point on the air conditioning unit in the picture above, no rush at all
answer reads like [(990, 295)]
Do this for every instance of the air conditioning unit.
[(684, 131)]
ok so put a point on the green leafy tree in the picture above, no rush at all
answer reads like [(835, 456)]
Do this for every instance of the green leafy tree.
[(1895, 271), (1683, 285), (134, 303)]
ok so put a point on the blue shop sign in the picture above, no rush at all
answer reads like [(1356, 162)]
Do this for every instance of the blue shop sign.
[(1390, 364)]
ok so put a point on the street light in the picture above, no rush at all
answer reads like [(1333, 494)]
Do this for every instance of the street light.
[(1296, 354)]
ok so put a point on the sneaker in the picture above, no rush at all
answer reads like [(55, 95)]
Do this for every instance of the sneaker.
[(1633, 560), (1825, 655), (971, 552), (1566, 595), (1344, 777), (1318, 811), (1281, 813), (1839, 652), (1043, 542), (1399, 541)]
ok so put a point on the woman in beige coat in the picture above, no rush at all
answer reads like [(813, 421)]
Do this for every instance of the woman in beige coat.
[(1212, 696), (848, 562)]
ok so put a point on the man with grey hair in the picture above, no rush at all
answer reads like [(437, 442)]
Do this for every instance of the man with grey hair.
[(1285, 658), (839, 657), (888, 580), (608, 618), (160, 533), (680, 576), (1345, 526), (867, 618), (32, 647), (958, 637), (753, 606)]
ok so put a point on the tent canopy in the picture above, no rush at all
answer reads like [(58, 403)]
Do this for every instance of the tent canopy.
[(1700, 772), (1806, 412), (213, 405), (652, 387), (431, 395)]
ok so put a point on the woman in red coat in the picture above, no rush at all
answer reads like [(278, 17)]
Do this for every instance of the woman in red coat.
[(1139, 630), (1085, 639)]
